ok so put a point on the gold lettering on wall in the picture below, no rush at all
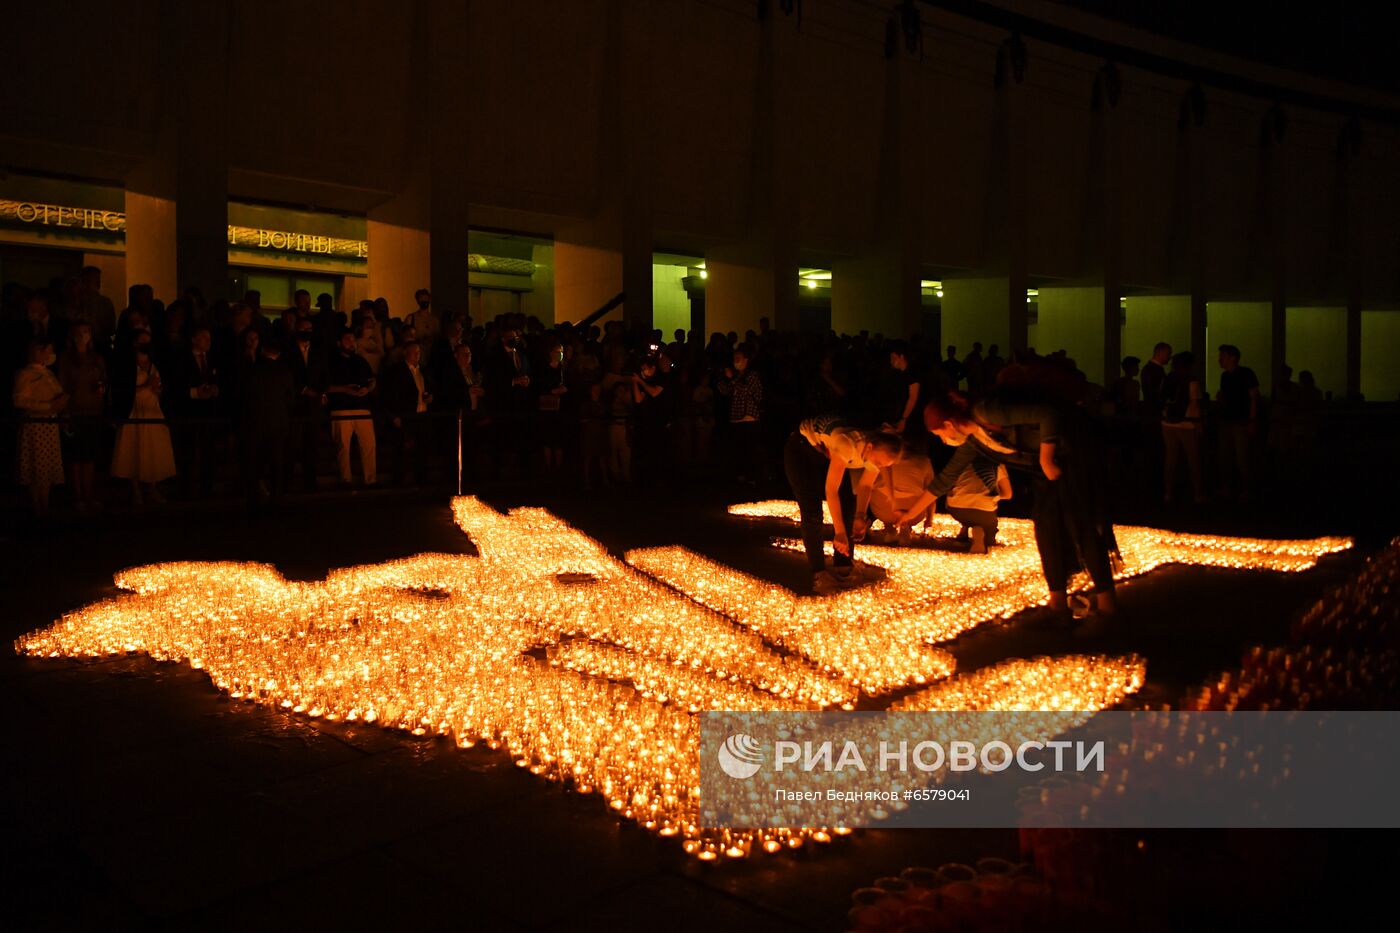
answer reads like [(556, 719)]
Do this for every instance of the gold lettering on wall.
[(285, 241), (60, 215)]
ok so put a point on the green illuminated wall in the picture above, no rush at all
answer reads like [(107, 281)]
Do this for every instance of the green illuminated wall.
[(1317, 340), (1380, 351), (1247, 325), (670, 305), (1150, 319)]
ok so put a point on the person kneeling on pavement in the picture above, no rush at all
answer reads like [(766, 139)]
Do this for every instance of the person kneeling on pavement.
[(897, 488), (973, 502)]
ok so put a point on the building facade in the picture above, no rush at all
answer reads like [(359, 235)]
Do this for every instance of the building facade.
[(1005, 171)]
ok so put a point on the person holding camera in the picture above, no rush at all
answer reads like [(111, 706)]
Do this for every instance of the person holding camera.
[(351, 382)]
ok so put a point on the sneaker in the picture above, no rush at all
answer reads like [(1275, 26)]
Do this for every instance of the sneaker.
[(849, 578), (979, 541), (1080, 605), (905, 535), (823, 583)]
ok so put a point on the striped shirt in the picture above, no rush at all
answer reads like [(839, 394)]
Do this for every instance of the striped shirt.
[(834, 436)]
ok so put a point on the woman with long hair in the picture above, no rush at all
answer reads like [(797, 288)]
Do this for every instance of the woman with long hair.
[(1030, 426)]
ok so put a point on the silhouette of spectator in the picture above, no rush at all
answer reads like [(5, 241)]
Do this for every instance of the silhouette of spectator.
[(1154, 372), (1182, 399), (953, 372), (1238, 398)]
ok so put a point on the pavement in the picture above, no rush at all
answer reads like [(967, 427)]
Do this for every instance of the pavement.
[(139, 797)]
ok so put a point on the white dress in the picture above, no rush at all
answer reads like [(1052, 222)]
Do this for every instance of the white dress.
[(143, 451)]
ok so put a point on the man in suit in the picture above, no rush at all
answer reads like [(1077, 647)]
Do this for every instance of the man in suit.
[(407, 395), (310, 377), (195, 400), (507, 372), (265, 422)]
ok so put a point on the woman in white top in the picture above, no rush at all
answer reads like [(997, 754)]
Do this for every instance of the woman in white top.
[(37, 393), (817, 459)]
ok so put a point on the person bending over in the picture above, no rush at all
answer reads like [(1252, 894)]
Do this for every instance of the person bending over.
[(1029, 425), (828, 459)]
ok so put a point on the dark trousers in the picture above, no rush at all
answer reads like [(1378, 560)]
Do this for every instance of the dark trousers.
[(806, 468), (194, 455), (1068, 536), (408, 447), (986, 519), (262, 451), (301, 445)]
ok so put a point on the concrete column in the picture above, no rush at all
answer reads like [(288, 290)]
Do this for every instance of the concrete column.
[(1275, 177), (632, 30), (1017, 273), (1198, 207), (150, 245), (1199, 318), (200, 89), (1110, 231), (1353, 204), (623, 224), (756, 276), (177, 198), (449, 136), (418, 239)]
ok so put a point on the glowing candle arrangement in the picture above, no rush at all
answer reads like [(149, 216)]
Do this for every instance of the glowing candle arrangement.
[(1009, 573), (1070, 688), (453, 645)]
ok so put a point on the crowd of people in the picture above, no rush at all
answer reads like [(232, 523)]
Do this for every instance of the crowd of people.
[(166, 395)]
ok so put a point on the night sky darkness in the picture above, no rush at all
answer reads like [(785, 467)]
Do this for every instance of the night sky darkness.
[(1348, 41)]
